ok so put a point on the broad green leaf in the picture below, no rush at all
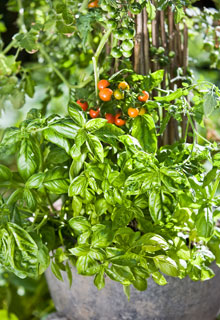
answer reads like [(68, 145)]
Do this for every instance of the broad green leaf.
[(109, 134), (67, 128), (5, 315), (29, 158), (210, 177), (56, 271), (79, 225), (214, 246), (204, 223), (29, 198), (159, 278), (121, 216), (35, 181), (210, 103), (99, 280), (76, 205), (95, 147), (166, 265), (151, 10), (145, 132), (87, 266), (56, 180), (151, 242), (95, 124), (155, 205), (78, 186), (80, 251), (11, 137), (179, 14), (54, 137), (77, 114), (102, 237), (5, 173), (140, 283), (128, 259)]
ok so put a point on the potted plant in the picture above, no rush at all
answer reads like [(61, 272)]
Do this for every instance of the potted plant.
[(118, 190)]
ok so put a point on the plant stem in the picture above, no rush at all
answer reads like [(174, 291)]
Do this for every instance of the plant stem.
[(21, 16), (215, 187), (51, 63), (84, 5), (194, 129), (9, 46), (95, 58)]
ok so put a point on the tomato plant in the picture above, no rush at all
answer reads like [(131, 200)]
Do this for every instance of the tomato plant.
[(94, 113), (83, 104), (105, 94)]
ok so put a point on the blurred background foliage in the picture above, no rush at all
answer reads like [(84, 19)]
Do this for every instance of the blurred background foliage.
[(29, 299)]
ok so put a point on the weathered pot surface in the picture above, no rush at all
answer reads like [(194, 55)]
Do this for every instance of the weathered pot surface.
[(178, 300)]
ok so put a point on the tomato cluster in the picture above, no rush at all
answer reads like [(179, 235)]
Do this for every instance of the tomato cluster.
[(118, 94)]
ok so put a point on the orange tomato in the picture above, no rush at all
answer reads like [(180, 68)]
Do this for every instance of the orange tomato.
[(105, 94), (133, 112), (110, 117), (83, 104), (94, 113), (119, 122), (102, 84), (144, 97), (93, 4), (123, 85)]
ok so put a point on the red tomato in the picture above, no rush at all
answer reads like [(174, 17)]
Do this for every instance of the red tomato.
[(93, 4), (133, 112), (83, 104), (144, 97), (102, 84), (94, 113), (110, 117), (105, 94), (119, 122)]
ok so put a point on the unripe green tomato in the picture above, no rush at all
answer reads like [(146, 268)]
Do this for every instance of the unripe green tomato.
[(160, 50), (129, 33), (116, 52), (208, 46), (127, 45), (118, 34), (127, 54), (111, 24), (153, 50), (136, 8), (172, 54), (213, 57), (218, 64)]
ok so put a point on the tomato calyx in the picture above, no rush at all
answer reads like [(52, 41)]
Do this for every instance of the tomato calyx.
[(94, 113), (144, 97), (83, 104)]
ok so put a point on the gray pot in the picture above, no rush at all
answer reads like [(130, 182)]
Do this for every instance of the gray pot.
[(178, 300)]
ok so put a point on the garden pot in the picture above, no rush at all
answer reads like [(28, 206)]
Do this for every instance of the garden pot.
[(178, 300)]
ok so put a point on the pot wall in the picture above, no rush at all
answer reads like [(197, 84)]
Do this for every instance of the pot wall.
[(178, 300)]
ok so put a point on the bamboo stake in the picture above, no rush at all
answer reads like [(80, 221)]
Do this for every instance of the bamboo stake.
[(146, 43), (138, 39)]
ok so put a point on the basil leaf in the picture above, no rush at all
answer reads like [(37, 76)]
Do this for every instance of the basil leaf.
[(95, 147), (204, 223), (95, 124), (166, 265), (5, 173), (77, 114), (79, 224), (56, 138), (78, 186), (35, 181), (56, 180), (67, 128), (87, 266), (145, 132)]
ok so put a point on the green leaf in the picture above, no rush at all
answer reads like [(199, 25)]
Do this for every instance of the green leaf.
[(95, 124), (121, 217), (78, 186), (210, 177), (102, 237), (87, 266), (179, 14), (56, 180), (29, 86), (5, 173), (144, 130), (140, 283), (77, 114), (151, 10), (210, 104), (128, 259), (67, 128), (56, 271), (29, 198), (35, 181), (99, 280), (69, 273), (166, 265), (127, 291), (57, 138), (109, 134), (214, 246), (204, 223), (79, 251), (172, 96), (27, 41), (95, 147), (29, 158), (152, 242), (159, 278), (5, 315), (79, 225), (155, 205)]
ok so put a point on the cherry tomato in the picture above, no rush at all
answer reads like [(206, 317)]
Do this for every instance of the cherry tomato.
[(94, 113), (93, 4), (142, 111), (135, 8), (102, 84), (111, 24), (123, 85), (110, 117), (118, 34), (208, 46), (127, 45), (105, 94), (116, 53), (119, 122), (128, 33), (83, 104), (127, 54), (118, 94), (144, 97), (133, 112)]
